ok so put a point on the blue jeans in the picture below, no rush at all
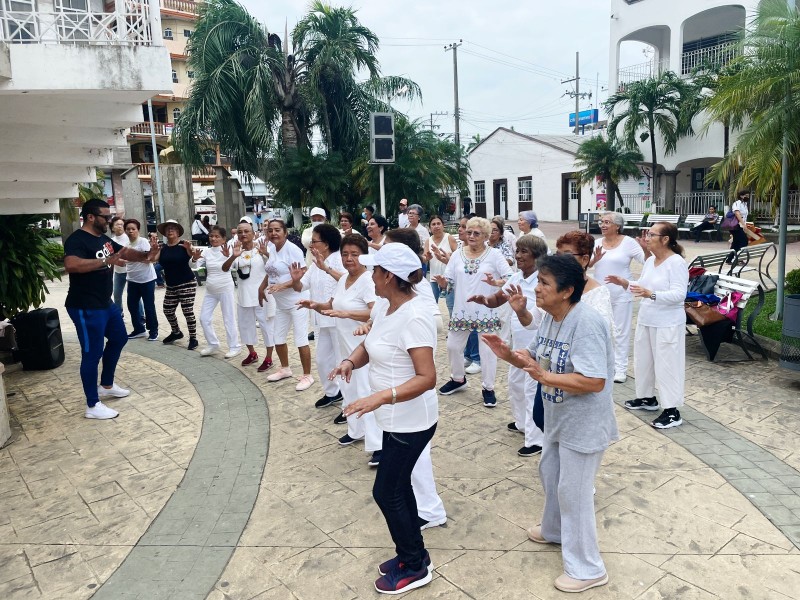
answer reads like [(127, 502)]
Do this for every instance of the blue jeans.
[(159, 273), (471, 349), (437, 291), (93, 326), (140, 294), (119, 287), (394, 495)]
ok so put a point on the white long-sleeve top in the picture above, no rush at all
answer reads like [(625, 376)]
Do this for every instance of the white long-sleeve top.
[(669, 281)]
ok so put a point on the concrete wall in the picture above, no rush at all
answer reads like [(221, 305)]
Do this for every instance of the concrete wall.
[(134, 198), (229, 199), (176, 187)]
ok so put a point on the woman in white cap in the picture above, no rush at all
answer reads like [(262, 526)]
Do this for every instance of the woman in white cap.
[(175, 257), (399, 351)]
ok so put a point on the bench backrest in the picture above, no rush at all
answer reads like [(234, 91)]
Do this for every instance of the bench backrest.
[(754, 252), (727, 284), (653, 218), (633, 219), (693, 219), (706, 261)]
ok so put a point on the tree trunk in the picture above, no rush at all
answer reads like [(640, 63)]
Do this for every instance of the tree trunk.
[(68, 217), (654, 167), (611, 189)]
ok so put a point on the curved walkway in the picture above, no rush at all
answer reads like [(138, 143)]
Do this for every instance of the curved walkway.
[(188, 545)]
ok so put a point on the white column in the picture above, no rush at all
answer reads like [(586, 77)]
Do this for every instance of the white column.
[(156, 33)]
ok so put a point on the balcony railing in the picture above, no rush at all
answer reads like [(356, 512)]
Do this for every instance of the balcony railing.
[(162, 129), (697, 203), (128, 27), (186, 6), (714, 56), (640, 72), (767, 208), (144, 171)]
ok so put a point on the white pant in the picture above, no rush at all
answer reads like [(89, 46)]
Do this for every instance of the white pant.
[(429, 505), (248, 315), (298, 319), (659, 360), (327, 358), (568, 517), (623, 314), (227, 303), (456, 342)]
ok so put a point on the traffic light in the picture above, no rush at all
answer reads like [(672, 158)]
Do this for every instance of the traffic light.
[(381, 137)]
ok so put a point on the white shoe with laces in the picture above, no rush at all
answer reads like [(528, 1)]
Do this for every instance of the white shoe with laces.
[(233, 352), (100, 411), (473, 369), (306, 381), (114, 391), (208, 350)]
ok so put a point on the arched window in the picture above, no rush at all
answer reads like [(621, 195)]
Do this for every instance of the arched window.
[(168, 33), (176, 114)]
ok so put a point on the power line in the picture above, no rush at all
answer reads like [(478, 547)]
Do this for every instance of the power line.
[(555, 72)]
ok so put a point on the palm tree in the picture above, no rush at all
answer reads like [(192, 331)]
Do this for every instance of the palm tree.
[(608, 160), (760, 98), (253, 96), (659, 104), (474, 141)]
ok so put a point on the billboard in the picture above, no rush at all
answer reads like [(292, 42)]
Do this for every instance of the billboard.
[(585, 117)]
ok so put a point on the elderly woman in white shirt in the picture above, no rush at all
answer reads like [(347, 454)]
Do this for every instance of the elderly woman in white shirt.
[(528, 224), (659, 348), (613, 255)]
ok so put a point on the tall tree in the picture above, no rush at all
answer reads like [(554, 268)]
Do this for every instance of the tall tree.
[(254, 96), (761, 99), (610, 161), (659, 104)]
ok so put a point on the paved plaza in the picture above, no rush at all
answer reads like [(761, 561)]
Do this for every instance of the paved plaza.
[(214, 483)]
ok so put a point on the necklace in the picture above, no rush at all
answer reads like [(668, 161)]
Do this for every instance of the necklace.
[(560, 323), (471, 265)]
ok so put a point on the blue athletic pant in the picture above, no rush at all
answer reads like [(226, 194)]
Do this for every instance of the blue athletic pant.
[(93, 327)]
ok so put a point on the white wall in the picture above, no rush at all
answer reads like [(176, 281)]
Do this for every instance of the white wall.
[(505, 155)]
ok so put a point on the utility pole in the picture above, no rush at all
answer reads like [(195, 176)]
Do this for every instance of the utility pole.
[(454, 47), (577, 93), (436, 114)]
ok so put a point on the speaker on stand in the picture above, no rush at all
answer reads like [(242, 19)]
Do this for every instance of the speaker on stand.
[(39, 342)]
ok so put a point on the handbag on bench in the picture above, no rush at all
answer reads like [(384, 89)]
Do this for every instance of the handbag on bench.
[(702, 314)]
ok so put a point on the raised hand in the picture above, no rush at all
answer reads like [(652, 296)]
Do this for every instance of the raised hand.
[(263, 250), (362, 329), (305, 303), (343, 370), (297, 270), (497, 345), (237, 248), (478, 300), (617, 280), (597, 255), (642, 241), (441, 281), (489, 278), (196, 253), (535, 370), (516, 299), (319, 260)]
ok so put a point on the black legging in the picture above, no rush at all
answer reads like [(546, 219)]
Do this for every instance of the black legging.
[(182, 294), (739, 241)]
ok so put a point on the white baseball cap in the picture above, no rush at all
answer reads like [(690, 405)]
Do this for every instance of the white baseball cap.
[(398, 259), (246, 219), (318, 212)]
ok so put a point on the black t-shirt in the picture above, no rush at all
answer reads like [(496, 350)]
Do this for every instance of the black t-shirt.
[(175, 261), (90, 290)]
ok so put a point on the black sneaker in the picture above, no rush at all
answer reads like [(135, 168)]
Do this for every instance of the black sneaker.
[(193, 343), (328, 400), (172, 337), (346, 440), (133, 335), (489, 400), (311, 336), (513, 427), (452, 386), (340, 419), (642, 404), (393, 563), (671, 417), (527, 451), (374, 461)]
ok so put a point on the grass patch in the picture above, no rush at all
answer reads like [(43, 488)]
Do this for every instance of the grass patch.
[(763, 325)]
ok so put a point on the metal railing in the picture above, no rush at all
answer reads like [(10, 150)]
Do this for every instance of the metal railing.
[(640, 72), (67, 26), (767, 208), (713, 56), (144, 171), (161, 129), (186, 6), (697, 203), (635, 203)]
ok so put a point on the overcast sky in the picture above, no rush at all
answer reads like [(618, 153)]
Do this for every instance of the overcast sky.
[(510, 66)]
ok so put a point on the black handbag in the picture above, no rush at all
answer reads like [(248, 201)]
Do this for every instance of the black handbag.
[(703, 284)]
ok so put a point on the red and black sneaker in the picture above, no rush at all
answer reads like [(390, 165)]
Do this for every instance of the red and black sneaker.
[(402, 579), (250, 359), (391, 564)]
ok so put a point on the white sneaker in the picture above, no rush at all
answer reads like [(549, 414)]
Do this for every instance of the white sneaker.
[(282, 373), (620, 377), (467, 362), (473, 369), (423, 524), (208, 350), (306, 381), (115, 392), (100, 411), (233, 352)]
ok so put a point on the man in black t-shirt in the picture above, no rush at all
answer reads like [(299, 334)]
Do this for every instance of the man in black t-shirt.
[(89, 256)]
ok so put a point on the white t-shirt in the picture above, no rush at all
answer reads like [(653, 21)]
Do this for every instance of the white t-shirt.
[(669, 281), (402, 220), (278, 271), (123, 240), (357, 297), (742, 208), (250, 262), (468, 315), (600, 299), (322, 286), (521, 336), (423, 233), (390, 364), (140, 272), (217, 280), (618, 262)]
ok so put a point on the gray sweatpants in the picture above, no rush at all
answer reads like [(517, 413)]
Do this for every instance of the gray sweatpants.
[(568, 518)]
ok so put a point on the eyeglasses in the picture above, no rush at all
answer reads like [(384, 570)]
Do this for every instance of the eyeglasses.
[(564, 253), (650, 235), (316, 242), (474, 233), (106, 218)]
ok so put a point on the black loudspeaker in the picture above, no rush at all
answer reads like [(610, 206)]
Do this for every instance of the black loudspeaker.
[(39, 342)]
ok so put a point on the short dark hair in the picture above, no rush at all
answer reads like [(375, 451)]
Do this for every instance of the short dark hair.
[(329, 235), (282, 223), (91, 207), (567, 272), (346, 215), (381, 222), (133, 222), (370, 208), (220, 230), (359, 241), (406, 236)]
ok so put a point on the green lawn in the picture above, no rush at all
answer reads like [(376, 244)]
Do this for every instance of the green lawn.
[(763, 325)]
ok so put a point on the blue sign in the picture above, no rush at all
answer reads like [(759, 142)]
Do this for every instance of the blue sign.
[(585, 117)]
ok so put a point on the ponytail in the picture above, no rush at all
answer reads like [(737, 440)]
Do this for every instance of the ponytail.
[(671, 230)]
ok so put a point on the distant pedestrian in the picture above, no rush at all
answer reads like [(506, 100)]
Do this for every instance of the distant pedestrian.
[(117, 233), (402, 216), (709, 223), (88, 258)]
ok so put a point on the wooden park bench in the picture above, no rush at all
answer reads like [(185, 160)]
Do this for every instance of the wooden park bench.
[(727, 331), (692, 221), (633, 221), (656, 218)]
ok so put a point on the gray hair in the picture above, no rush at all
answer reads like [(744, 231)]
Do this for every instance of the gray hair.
[(417, 208), (530, 217), (618, 219)]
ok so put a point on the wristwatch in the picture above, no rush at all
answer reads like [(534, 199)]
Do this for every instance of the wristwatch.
[(653, 296)]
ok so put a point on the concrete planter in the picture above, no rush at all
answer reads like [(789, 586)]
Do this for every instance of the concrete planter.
[(790, 335)]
